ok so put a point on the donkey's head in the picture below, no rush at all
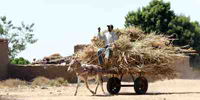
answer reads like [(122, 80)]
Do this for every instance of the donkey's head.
[(73, 65)]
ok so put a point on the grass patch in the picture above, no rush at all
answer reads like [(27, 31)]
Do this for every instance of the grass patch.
[(13, 83), (39, 81), (6, 98)]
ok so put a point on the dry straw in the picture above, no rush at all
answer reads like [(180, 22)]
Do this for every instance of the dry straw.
[(137, 52)]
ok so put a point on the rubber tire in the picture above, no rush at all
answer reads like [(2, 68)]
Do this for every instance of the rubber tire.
[(113, 85), (140, 85)]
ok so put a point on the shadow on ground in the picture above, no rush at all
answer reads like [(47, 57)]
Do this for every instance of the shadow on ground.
[(156, 93)]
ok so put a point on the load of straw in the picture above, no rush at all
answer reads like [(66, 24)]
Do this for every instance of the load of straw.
[(137, 52)]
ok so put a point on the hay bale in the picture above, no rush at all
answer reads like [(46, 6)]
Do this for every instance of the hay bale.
[(137, 52), (132, 32)]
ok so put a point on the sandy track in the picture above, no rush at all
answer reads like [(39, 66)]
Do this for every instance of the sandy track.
[(178, 89)]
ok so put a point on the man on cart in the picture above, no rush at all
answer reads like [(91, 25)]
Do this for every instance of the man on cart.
[(109, 38)]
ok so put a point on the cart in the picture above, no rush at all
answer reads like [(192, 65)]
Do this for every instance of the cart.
[(140, 83), (114, 83)]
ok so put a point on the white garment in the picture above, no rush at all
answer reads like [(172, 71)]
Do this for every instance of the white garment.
[(109, 38)]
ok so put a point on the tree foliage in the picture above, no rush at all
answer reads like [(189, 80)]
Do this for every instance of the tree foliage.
[(18, 36), (158, 17), (20, 61)]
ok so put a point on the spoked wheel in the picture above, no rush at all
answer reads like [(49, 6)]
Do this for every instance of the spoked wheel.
[(113, 85), (141, 85)]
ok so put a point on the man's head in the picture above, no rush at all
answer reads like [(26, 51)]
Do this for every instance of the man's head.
[(109, 28), (99, 29)]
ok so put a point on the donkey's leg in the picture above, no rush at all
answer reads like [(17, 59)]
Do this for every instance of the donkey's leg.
[(86, 83), (78, 84), (98, 81), (101, 83)]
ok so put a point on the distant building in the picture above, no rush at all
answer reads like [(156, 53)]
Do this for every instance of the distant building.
[(3, 58), (79, 47)]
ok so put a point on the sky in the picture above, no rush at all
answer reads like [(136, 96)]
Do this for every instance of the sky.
[(61, 24)]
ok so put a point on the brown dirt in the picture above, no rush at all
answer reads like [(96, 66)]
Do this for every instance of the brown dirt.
[(178, 89)]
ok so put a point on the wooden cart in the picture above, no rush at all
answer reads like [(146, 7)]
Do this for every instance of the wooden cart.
[(140, 83)]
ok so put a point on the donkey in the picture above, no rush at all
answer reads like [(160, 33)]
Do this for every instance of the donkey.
[(85, 72)]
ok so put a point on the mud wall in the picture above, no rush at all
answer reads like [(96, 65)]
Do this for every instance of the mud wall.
[(195, 62), (3, 58), (29, 72), (187, 68)]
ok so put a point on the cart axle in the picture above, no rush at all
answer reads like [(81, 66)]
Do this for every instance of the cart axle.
[(127, 85), (140, 85)]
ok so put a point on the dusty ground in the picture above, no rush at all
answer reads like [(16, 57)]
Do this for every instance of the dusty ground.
[(178, 89)]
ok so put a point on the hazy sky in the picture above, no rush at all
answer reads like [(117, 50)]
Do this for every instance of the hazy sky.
[(61, 24)]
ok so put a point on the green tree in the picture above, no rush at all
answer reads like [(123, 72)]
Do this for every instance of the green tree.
[(20, 61), (184, 29), (18, 36), (158, 17), (155, 17)]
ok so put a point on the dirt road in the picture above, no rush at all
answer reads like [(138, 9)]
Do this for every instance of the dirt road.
[(177, 89)]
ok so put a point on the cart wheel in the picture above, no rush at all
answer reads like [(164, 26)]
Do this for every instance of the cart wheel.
[(113, 85), (141, 85)]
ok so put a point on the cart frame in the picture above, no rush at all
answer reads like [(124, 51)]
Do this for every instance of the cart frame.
[(114, 84)]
